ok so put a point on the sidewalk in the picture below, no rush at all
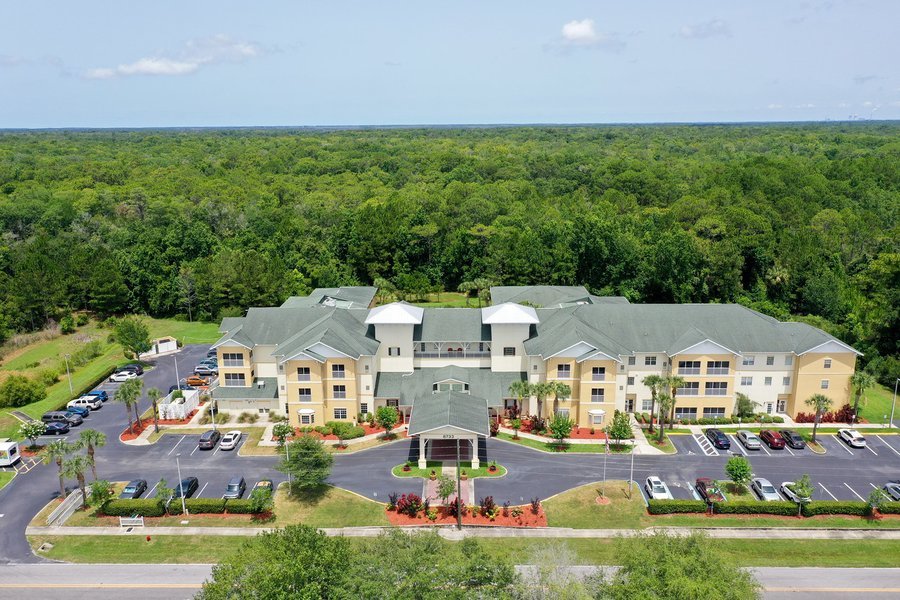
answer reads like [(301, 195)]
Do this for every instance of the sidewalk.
[(641, 445)]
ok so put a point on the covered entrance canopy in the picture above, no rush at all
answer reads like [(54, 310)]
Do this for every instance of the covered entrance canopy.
[(449, 415)]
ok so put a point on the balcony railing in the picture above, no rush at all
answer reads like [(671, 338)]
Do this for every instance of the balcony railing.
[(598, 376), (688, 370), (599, 398), (453, 354), (232, 363), (716, 391), (304, 377), (338, 374), (339, 395), (688, 391), (305, 398), (717, 371)]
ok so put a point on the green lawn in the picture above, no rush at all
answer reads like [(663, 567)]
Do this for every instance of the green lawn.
[(6, 477), (442, 300), (481, 471), (569, 448), (332, 507)]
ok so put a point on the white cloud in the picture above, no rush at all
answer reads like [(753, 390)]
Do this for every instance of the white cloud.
[(862, 79), (192, 57), (584, 33), (707, 29), (807, 105), (774, 106)]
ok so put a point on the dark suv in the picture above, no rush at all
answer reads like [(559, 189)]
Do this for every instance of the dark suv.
[(187, 487), (209, 439), (793, 439), (235, 489), (718, 439), (134, 368)]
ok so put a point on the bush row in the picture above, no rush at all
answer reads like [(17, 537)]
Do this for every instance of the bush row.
[(143, 507), (836, 507), (757, 507), (154, 507), (671, 507)]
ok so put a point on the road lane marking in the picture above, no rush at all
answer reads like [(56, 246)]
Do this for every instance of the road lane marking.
[(740, 447), (153, 488), (203, 488), (762, 446), (874, 487), (842, 444), (786, 447), (888, 445), (176, 445), (195, 449), (870, 450), (854, 492), (827, 492)]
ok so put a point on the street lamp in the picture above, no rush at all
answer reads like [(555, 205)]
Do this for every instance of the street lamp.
[(177, 378), (180, 487), (69, 374), (894, 401)]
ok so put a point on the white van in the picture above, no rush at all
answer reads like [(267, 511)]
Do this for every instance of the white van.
[(9, 452)]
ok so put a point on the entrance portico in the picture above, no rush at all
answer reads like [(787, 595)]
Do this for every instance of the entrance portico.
[(449, 416)]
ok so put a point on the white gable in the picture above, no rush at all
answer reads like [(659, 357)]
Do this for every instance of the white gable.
[(396, 313), (831, 347), (574, 351), (326, 351), (707, 347), (509, 313)]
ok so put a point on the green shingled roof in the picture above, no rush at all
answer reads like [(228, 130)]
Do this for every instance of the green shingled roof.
[(343, 297), (254, 392), (411, 387), (450, 409), (452, 325), (550, 296)]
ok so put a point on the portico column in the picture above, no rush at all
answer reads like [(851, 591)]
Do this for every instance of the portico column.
[(475, 462), (422, 462)]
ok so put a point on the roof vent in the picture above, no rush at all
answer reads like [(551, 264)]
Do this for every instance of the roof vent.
[(260, 384)]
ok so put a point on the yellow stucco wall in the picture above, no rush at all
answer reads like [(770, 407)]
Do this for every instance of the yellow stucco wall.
[(810, 371)]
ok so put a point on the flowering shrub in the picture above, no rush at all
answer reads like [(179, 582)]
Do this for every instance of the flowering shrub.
[(488, 505), (392, 500), (535, 505), (456, 508), (409, 504), (844, 415)]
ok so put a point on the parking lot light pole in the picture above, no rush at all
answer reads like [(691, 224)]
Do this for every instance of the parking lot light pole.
[(177, 378), (180, 488), (69, 375), (894, 401)]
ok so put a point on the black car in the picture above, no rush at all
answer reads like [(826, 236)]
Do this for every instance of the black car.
[(235, 489), (57, 428), (183, 386), (187, 487), (793, 439), (718, 439), (134, 489), (134, 368), (209, 439), (211, 353)]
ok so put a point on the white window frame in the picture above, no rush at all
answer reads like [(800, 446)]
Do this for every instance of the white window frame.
[(786, 381), (340, 413), (308, 419), (307, 396), (364, 408), (338, 371), (339, 394), (748, 361), (307, 376), (234, 380), (745, 381), (601, 397), (788, 360), (770, 360), (646, 404), (826, 364), (715, 388), (631, 361), (767, 381), (564, 371), (630, 381), (824, 384), (650, 361), (598, 373)]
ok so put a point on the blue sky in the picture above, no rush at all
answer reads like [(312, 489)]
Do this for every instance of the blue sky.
[(205, 63)]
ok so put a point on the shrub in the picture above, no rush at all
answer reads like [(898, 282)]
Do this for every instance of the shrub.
[(431, 514), (844, 415), (18, 390), (247, 417), (495, 428), (409, 504), (755, 507), (488, 506), (832, 507), (535, 505), (240, 506), (506, 508), (891, 508), (197, 506), (778, 419), (345, 430), (47, 377), (456, 508), (144, 507), (517, 511), (67, 325), (322, 429), (392, 500), (87, 353), (671, 507), (81, 320)]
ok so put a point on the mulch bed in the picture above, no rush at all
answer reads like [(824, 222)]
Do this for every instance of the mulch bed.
[(526, 519), (31, 452), (578, 433), (126, 435)]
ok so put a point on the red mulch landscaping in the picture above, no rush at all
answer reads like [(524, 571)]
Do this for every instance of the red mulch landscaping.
[(126, 435), (578, 433), (29, 452), (526, 519), (334, 438)]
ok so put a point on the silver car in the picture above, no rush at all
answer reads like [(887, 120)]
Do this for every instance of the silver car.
[(749, 439), (764, 489), (892, 489), (790, 494)]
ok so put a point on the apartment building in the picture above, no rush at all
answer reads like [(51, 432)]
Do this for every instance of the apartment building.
[(328, 356)]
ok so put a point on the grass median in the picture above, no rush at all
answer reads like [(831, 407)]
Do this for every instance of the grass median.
[(5, 478), (552, 446)]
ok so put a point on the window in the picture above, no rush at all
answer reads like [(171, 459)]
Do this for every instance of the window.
[(785, 381), (597, 395), (596, 419), (713, 412), (235, 380), (688, 367), (509, 351), (631, 381), (824, 384), (563, 371), (746, 381), (682, 412), (716, 388), (717, 367), (394, 351), (340, 413), (364, 408), (563, 412), (649, 361), (307, 419), (303, 374), (770, 360), (305, 394), (690, 388), (340, 391), (788, 360), (337, 371), (631, 360), (768, 381), (393, 402), (598, 373), (748, 361), (449, 386), (233, 359), (646, 405), (827, 364)]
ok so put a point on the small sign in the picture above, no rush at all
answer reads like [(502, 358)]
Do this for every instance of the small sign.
[(449, 436)]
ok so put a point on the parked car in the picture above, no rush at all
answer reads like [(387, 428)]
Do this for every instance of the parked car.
[(181, 386), (718, 439), (196, 381), (709, 490), (749, 439), (211, 352), (74, 418), (793, 439), (134, 368), (230, 440), (892, 489), (186, 487), (205, 370), (91, 402), (235, 488), (264, 484), (764, 489), (772, 439), (99, 394), (81, 411), (657, 489), (134, 489), (210, 361), (852, 437), (122, 376), (57, 428), (62, 416), (790, 494), (208, 439)]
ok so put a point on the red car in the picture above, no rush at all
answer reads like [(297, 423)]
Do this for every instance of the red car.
[(772, 438), (708, 490)]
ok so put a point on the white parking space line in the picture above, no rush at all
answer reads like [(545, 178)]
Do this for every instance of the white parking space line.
[(874, 487), (203, 488), (735, 442), (870, 450), (150, 493), (788, 448), (827, 492), (841, 444), (216, 451), (693, 489), (197, 447), (762, 446), (888, 445), (176, 445), (854, 492)]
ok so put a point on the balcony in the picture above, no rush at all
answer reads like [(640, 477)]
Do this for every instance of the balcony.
[(598, 377), (338, 374), (600, 398), (232, 363), (716, 391), (688, 391), (303, 377), (689, 370), (717, 370), (305, 398), (340, 395), (452, 354)]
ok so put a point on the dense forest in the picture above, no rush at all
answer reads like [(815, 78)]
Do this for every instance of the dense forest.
[(795, 220)]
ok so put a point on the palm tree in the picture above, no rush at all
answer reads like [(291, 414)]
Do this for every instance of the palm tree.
[(540, 391), (92, 439), (861, 381), (154, 394), (821, 404), (654, 382), (57, 452), (560, 390), (75, 467), (128, 394), (466, 288), (666, 402), (673, 382), (520, 389)]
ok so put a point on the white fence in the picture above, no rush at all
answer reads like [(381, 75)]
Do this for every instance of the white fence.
[(66, 508), (179, 408)]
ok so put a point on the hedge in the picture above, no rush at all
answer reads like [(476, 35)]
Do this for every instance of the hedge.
[(238, 507), (196, 506), (144, 507), (671, 507), (91, 385), (839, 507), (890, 508), (756, 507)]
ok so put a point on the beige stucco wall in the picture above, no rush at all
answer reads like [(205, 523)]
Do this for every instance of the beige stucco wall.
[(810, 373)]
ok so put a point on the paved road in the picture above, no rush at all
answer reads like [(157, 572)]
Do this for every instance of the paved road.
[(146, 582)]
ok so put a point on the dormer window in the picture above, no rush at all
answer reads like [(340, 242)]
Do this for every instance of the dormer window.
[(450, 386)]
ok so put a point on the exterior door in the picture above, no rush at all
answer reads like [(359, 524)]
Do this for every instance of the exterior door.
[(629, 405), (782, 406)]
